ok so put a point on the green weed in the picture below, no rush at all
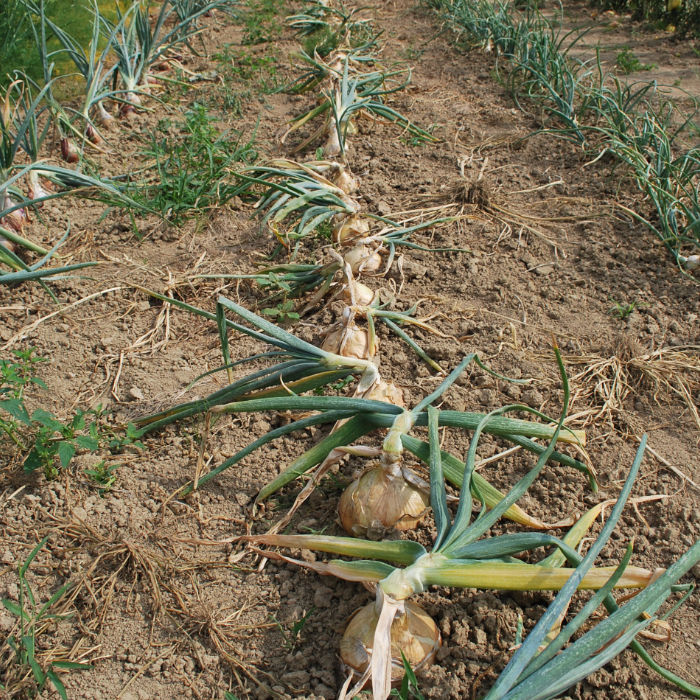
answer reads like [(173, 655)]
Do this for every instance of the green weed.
[(261, 23), (292, 634), (243, 65), (193, 167), (19, 656), (103, 475), (622, 310), (628, 63), (42, 440), (283, 313)]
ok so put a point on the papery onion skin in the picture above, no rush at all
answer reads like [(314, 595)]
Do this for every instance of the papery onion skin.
[(351, 229), (69, 151), (363, 295), (16, 218), (380, 500), (414, 633), (349, 341), (362, 258), (92, 135), (386, 391), (5, 243), (105, 119), (347, 182)]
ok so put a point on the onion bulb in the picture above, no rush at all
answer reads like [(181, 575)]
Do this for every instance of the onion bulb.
[(36, 189), (692, 262), (413, 632), (7, 244), (331, 148), (69, 151), (362, 258), (350, 229), (105, 119), (379, 500), (347, 182), (357, 293), (385, 391), (92, 135), (16, 218), (349, 341)]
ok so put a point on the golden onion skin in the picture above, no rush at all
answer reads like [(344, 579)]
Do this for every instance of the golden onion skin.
[(350, 341), (380, 500), (386, 391), (363, 259), (414, 633), (364, 296)]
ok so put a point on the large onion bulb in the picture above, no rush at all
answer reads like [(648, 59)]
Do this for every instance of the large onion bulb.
[(413, 632), (381, 500), (357, 293), (362, 258), (385, 391), (351, 228), (350, 341)]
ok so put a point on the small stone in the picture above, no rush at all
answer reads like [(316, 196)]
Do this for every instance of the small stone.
[(383, 208), (296, 679), (544, 270), (7, 557), (135, 394), (7, 621), (242, 498)]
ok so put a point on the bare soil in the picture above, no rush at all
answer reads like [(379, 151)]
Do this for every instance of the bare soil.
[(162, 606)]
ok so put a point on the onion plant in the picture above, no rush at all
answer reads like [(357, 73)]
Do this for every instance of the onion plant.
[(326, 28), (347, 98), (314, 69), (140, 43), (461, 556), (307, 197), (299, 195), (93, 64), (302, 367), (314, 283)]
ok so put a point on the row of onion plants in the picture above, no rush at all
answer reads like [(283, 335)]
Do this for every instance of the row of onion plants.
[(112, 74), (632, 122), (297, 200)]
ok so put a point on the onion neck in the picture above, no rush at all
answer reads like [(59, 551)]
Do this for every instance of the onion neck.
[(403, 583), (392, 448)]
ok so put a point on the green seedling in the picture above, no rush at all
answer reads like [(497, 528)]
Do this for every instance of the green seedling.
[(103, 475), (292, 634), (622, 310), (283, 313)]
